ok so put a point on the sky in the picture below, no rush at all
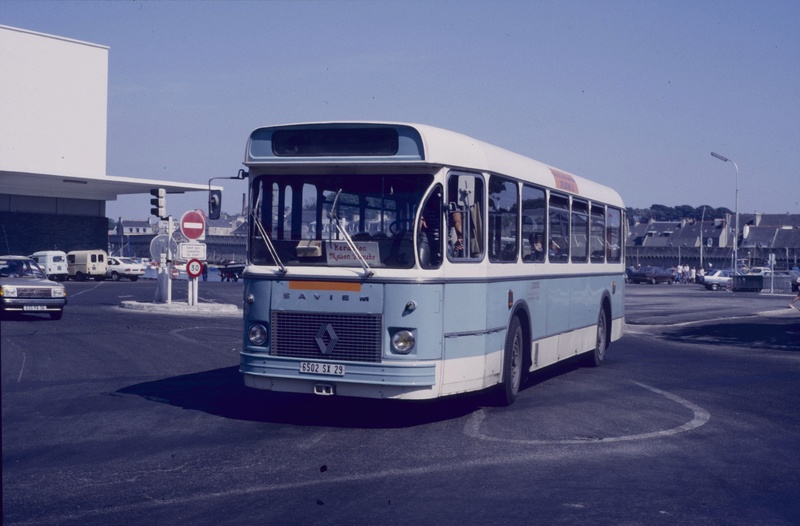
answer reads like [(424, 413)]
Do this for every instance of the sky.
[(634, 94)]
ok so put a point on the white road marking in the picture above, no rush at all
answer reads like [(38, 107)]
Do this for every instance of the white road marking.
[(87, 290), (701, 416)]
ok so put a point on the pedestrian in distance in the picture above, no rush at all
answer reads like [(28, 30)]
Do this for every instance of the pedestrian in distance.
[(796, 298)]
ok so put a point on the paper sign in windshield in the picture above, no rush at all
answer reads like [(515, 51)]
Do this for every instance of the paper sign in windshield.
[(340, 255)]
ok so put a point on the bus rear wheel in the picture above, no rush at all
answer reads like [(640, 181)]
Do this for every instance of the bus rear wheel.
[(595, 357), (512, 364)]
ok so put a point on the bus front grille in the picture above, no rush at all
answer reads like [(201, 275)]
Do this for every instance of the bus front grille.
[(325, 336)]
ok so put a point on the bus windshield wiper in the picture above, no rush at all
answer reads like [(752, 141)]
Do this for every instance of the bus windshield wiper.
[(335, 216), (265, 237)]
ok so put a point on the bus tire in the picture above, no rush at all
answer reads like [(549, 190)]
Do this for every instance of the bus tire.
[(80, 276), (595, 357), (512, 364)]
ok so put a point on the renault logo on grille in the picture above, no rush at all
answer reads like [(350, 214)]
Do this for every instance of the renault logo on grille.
[(326, 329)]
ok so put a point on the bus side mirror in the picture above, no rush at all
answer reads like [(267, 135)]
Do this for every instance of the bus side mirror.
[(214, 204)]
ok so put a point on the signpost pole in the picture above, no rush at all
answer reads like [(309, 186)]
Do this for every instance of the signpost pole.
[(193, 269), (193, 227), (169, 259)]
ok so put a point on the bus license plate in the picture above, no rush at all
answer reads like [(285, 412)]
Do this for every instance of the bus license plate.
[(34, 307), (322, 368)]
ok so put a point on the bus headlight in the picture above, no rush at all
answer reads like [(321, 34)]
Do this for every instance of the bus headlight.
[(257, 334), (403, 341)]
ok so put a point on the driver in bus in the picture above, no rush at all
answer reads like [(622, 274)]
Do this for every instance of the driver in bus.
[(457, 234)]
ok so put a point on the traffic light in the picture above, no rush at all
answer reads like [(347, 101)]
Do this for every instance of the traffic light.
[(159, 201), (214, 204)]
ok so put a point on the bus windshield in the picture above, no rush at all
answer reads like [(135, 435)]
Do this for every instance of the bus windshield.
[(296, 212)]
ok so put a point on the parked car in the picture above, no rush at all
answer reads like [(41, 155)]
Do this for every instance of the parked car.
[(652, 275), (53, 262), (24, 287), (230, 271), (628, 273), (84, 264), (718, 279), (124, 268)]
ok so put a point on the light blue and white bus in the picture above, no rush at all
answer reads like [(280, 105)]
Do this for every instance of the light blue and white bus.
[(443, 264)]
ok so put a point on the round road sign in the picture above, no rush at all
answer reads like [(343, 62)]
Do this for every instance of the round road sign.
[(159, 245), (194, 268), (193, 224)]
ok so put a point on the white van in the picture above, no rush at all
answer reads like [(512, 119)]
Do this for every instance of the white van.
[(53, 262), (83, 264)]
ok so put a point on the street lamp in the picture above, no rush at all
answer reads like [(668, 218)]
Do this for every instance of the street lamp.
[(702, 241), (736, 232)]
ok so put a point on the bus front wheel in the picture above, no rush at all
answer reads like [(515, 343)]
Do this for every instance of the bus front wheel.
[(512, 364)]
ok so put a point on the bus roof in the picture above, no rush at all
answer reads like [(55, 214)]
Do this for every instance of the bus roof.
[(392, 142)]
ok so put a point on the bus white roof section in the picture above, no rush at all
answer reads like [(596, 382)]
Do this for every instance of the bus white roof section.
[(416, 144)]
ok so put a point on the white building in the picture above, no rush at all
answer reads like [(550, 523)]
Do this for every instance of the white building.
[(53, 118)]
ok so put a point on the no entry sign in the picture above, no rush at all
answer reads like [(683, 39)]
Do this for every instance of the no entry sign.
[(193, 224)]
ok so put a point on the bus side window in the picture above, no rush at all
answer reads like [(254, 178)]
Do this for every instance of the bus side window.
[(534, 222), (503, 219), (465, 217), (558, 246), (598, 228), (580, 231), (614, 235)]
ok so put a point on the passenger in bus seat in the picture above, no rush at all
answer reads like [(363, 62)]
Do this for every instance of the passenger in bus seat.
[(537, 250), (555, 249)]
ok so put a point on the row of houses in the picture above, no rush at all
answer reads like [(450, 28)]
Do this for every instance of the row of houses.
[(710, 243)]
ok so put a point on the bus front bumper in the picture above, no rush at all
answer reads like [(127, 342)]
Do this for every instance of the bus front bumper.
[(408, 380)]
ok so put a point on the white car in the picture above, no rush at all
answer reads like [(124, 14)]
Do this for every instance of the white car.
[(124, 268), (25, 289), (718, 279)]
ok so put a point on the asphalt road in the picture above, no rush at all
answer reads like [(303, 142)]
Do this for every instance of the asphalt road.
[(112, 416)]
